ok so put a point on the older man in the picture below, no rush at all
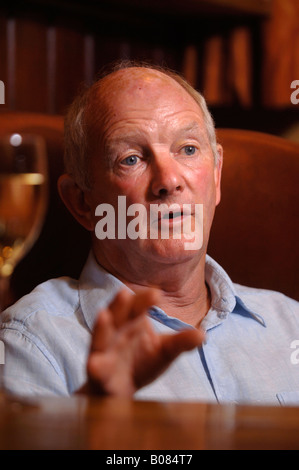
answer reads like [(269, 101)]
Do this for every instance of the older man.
[(151, 316)]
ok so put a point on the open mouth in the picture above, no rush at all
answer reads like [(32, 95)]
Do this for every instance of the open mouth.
[(173, 215), (176, 214), (175, 218), (170, 215)]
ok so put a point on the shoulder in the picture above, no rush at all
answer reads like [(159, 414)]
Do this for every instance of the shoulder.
[(259, 295), (56, 297), (41, 333), (268, 302)]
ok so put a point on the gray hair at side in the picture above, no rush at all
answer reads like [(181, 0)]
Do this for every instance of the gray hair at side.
[(76, 140)]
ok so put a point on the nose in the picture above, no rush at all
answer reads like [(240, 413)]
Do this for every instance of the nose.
[(166, 176)]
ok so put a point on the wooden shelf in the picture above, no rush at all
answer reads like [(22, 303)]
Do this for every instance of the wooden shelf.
[(49, 47)]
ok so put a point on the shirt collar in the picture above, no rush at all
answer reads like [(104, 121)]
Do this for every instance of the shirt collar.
[(224, 296), (97, 288)]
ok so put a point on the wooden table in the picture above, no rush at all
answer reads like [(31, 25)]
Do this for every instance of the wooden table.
[(114, 424)]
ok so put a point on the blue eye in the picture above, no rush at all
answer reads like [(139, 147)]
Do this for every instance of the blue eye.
[(189, 150), (131, 160)]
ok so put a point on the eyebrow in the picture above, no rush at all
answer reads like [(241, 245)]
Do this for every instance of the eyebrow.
[(125, 139), (129, 136)]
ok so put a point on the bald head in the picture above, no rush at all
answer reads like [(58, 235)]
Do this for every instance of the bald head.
[(90, 113), (123, 89)]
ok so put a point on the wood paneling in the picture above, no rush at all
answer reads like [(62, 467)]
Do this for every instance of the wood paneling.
[(30, 68), (69, 68), (49, 48), (44, 61), (281, 53)]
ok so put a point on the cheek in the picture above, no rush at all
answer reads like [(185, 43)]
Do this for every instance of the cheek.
[(133, 188), (203, 184)]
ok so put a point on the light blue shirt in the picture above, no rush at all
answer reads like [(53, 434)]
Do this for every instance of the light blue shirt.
[(248, 356)]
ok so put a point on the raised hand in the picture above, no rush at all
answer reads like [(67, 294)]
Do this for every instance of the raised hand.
[(126, 353)]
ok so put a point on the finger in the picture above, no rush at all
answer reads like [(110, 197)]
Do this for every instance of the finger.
[(127, 306), (185, 340), (120, 307), (102, 332), (143, 300), (170, 347)]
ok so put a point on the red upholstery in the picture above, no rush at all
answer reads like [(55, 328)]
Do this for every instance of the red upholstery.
[(256, 227)]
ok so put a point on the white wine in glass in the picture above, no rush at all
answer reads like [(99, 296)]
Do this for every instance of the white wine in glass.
[(23, 201)]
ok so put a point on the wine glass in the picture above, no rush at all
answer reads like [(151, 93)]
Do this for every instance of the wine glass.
[(23, 201), (23, 204)]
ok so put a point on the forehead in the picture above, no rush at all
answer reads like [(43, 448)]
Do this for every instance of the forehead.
[(137, 81), (139, 92)]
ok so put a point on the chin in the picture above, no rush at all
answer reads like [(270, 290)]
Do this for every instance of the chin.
[(169, 251)]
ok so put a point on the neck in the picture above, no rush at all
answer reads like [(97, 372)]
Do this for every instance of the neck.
[(183, 291), (187, 299)]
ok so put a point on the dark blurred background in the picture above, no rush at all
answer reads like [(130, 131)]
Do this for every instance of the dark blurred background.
[(242, 54)]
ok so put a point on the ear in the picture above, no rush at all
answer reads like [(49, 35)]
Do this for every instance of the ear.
[(75, 201), (217, 173)]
